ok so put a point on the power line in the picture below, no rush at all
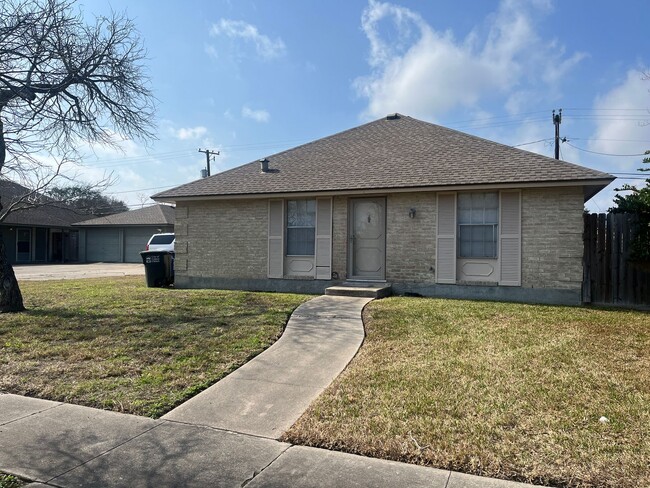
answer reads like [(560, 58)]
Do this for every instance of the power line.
[(609, 140), (533, 142), (142, 189), (611, 109), (601, 153)]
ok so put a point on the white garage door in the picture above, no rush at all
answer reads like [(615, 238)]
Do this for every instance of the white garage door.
[(103, 245), (135, 240)]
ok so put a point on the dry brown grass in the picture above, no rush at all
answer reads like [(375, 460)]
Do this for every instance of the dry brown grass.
[(117, 345), (502, 390)]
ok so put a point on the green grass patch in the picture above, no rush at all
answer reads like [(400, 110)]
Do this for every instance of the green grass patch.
[(504, 390), (118, 345), (9, 481)]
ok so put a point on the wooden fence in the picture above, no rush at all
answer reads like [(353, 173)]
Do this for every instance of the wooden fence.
[(609, 275)]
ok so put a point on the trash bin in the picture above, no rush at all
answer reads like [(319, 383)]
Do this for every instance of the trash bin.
[(158, 268)]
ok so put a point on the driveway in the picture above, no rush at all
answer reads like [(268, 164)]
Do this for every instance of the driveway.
[(39, 272)]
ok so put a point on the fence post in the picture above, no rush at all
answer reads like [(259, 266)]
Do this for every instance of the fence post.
[(586, 262)]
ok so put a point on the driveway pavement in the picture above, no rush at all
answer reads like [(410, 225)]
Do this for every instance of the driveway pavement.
[(76, 271)]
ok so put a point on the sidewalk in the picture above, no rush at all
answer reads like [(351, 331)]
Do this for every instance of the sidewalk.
[(72, 446), (224, 436), (269, 393)]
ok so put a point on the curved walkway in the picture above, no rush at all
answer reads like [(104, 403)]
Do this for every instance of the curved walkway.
[(269, 393)]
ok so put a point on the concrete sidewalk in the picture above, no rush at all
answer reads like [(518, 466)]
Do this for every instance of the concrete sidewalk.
[(269, 393), (66, 445), (223, 437)]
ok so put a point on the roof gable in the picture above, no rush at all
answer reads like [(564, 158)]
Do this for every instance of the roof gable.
[(397, 152)]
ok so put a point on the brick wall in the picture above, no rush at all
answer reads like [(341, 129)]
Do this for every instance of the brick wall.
[(551, 246), (411, 243), (226, 239), (340, 236)]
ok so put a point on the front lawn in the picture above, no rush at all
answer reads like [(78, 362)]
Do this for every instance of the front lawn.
[(112, 343), (494, 389)]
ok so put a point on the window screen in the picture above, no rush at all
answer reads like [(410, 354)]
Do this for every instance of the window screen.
[(478, 218), (301, 227)]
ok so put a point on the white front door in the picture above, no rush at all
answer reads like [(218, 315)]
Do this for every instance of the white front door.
[(367, 238)]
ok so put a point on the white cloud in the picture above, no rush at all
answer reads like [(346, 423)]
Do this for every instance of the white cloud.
[(186, 133), (622, 127), (265, 47), (623, 116), (211, 51), (256, 115), (422, 72)]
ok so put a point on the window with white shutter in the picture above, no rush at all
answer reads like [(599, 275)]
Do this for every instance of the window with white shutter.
[(510, 238), (323, 238), (276, 239), (446, 239)]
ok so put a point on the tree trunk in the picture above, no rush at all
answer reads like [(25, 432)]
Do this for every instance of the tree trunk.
[(11, 300)]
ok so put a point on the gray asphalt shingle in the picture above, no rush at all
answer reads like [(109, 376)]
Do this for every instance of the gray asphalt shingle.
[(152, 215), (402, 152), (47, 213)]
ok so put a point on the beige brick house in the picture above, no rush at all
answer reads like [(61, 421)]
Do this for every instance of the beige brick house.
[(427, 209)]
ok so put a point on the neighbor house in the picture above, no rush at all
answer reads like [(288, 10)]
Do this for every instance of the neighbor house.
[(120, 237), (38, 229), (427, 209)]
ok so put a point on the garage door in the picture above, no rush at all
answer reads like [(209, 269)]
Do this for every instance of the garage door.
[(135, 240), (103, 245)]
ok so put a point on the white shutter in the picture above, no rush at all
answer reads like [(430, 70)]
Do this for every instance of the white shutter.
[(510, 238), (276, 238), (446, 239), (323, 239)]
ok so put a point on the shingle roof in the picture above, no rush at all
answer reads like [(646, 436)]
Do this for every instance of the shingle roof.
[(389, 153), (152, 215), (51, 214)]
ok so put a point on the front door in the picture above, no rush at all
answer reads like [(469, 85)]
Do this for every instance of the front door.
[(367, 238)]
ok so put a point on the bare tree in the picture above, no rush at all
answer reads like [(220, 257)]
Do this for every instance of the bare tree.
[(144, 198), (63, 82)]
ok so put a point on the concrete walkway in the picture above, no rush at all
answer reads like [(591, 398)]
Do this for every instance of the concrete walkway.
[(269, 393), (223, 437)]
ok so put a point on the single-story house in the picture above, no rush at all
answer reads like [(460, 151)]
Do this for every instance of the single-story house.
[(37, 234), (427, 209), (120, 237)]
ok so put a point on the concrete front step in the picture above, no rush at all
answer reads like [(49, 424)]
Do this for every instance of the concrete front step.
[(359, 289)]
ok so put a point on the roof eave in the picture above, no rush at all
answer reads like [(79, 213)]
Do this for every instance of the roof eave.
[(595, 184)]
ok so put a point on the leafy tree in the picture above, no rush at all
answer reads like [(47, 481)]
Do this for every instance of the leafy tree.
[(63, 82), (88, 200), (637, 202)]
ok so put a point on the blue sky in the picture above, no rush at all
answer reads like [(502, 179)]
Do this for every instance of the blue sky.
[(251, 78)]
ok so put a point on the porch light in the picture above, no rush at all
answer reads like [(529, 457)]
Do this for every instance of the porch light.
[(412, 213)]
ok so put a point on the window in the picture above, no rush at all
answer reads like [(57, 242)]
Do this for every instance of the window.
[(23, 244), (162, 238), (478, 218), (301, 227)]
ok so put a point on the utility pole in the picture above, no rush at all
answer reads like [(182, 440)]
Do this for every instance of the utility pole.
[(209, 156), (557, 120)]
